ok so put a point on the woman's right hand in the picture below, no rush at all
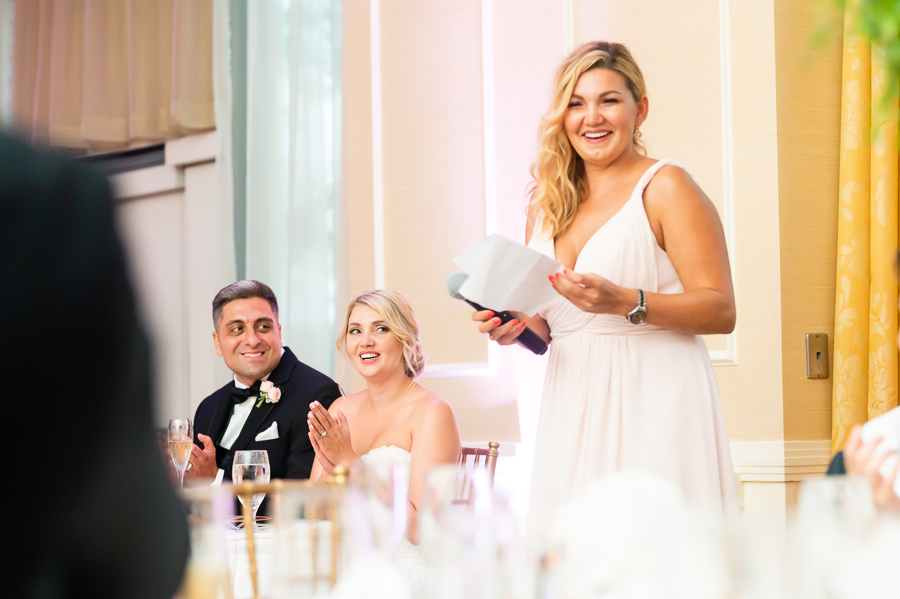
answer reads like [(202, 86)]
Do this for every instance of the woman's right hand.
[(504, 334)]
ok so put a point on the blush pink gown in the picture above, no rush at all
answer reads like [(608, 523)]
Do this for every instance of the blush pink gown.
[(624, 397)]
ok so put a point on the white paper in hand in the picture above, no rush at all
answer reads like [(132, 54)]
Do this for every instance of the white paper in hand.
[(505, 275)]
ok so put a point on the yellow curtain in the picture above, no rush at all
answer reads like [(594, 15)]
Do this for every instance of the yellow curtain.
[(107, 73), (865, 328)]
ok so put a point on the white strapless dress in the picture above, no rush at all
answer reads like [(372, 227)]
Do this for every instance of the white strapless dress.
[(408, 559)]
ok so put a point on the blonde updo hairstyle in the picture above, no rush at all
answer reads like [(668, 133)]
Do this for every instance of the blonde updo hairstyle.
[(398, 314), (559, 181)]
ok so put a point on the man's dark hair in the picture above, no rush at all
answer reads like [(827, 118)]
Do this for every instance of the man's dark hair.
[(242, 290)]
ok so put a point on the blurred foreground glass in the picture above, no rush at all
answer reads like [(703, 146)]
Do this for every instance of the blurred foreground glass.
[(633, 534), (384, 492), (181, 437), (318, 530), (304, 553), (454, 501), (835, 515), (211, 515), (846, 501), (251, 466), (469, 536)]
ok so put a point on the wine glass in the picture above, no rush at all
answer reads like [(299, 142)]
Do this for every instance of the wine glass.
[(385, 487), (181, 437), (834, 519), (251, 466)]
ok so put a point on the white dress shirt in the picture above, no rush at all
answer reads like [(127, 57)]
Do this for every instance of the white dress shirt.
[(236, 422), (238, 417)]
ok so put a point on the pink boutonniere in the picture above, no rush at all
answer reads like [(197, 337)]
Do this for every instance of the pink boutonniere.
[(268, 393)]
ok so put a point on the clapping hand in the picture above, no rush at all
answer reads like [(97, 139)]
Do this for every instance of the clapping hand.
[(330, 438)]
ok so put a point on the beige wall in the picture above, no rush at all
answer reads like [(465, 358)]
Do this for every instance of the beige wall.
[(169, 220), (752, 391), (750, 111), (809, 121), (442, 107)]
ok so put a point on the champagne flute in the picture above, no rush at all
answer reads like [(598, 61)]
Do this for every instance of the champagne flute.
[(251, 466), (181, 437)]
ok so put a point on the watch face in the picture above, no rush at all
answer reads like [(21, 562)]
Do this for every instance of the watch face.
[(638, 316)]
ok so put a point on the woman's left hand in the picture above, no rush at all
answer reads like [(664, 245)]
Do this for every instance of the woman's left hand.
[(593, 293), (330, 437)]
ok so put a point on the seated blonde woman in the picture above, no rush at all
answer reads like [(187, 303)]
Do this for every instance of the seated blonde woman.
[(393, 415)]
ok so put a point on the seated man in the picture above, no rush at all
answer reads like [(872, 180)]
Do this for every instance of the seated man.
[(266, 405)]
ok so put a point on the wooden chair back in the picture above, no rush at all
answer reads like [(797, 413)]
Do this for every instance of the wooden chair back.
[(480, 458)]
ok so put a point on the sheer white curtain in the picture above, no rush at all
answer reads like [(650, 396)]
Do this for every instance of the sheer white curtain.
[(223, 93), (293, 167)]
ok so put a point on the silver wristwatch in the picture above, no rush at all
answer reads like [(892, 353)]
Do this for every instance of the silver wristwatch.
[(639, 314)]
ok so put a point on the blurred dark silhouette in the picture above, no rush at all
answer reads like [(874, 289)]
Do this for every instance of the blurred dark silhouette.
[(92, 510)]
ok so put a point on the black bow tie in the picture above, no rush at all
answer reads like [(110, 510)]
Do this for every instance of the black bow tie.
[(239, 396)]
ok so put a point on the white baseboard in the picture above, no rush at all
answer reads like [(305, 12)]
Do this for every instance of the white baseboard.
[(780, 461)]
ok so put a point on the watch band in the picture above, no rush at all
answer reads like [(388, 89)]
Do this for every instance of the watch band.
[(639, 314)]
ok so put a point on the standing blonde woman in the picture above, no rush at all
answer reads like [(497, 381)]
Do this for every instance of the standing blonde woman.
[(629, 384)]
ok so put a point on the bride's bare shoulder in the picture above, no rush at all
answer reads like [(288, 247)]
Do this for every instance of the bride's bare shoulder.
[(435, 431), (431, 406)]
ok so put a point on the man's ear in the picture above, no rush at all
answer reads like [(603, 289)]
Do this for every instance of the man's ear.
[(216, 341)]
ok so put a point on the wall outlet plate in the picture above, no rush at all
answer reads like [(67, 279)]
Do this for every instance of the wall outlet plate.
[(816, 356)]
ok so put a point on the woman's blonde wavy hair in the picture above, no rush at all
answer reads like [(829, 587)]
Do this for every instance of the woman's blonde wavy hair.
[(559, 183), (398, 314)]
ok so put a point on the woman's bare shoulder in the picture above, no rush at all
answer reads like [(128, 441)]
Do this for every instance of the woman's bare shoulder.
[(673, 185), (434, 428), (429, 406), (679, 211)]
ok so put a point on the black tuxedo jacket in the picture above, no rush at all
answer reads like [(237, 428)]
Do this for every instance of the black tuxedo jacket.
[(290, 455)]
